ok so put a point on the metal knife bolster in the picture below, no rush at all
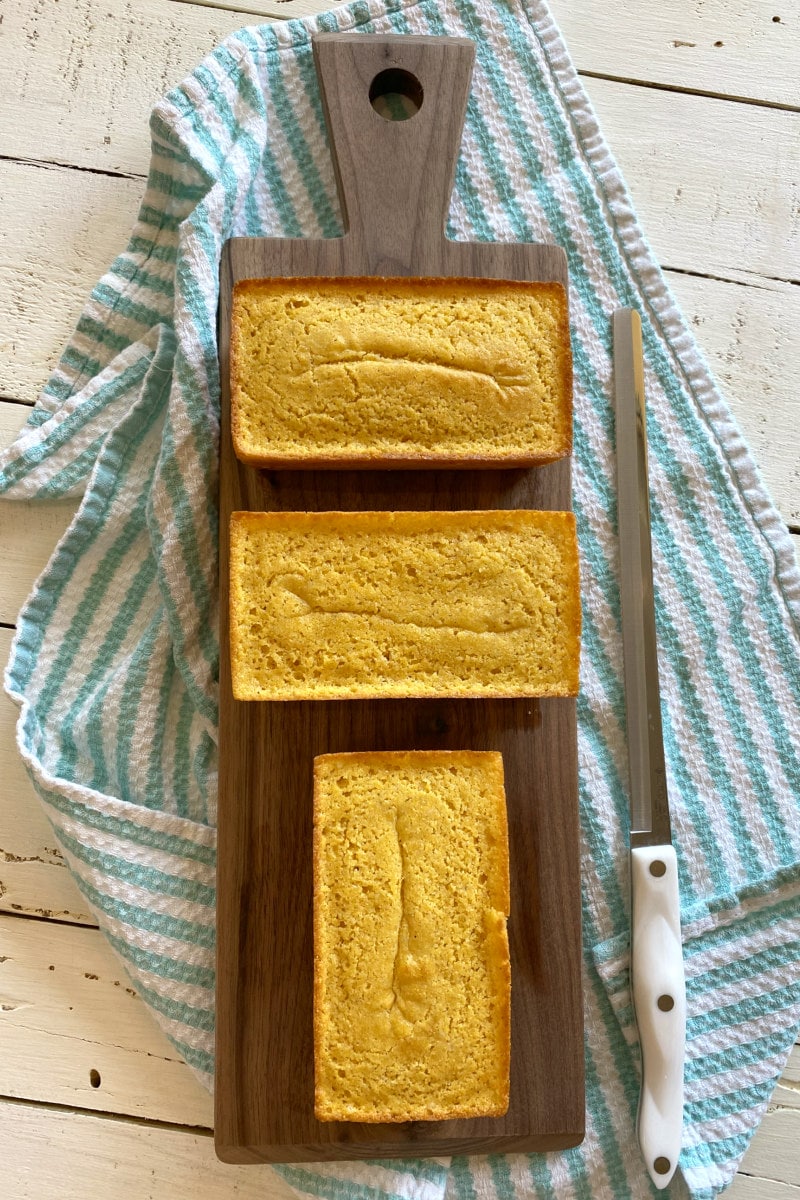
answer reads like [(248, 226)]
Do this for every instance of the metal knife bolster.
[(657, 973)]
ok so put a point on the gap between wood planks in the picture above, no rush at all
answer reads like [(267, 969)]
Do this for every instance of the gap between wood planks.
[(206, 1130), (25, 914), (753, 280), (610, 77), (250, 12), (15, 400), (666, 87), (52, 164), (748, 1185), (105, 1115)]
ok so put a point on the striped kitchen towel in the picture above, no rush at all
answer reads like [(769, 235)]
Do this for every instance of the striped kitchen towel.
[(114, 664)]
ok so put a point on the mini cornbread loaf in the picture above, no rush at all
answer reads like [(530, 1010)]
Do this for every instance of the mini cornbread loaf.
[(412, 976), (399, 372), (332, 605)]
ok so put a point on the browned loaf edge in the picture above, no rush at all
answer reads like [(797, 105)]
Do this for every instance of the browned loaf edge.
[(563, 684), (421, 458), (499, 963)]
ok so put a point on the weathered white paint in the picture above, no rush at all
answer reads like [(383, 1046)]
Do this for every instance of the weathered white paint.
[(79, 77), (750, 337), (52, 1155), (754, 1187), (749, 333), (59, 231), (715, 186), (67, 1008), (34, 879), (723, 47), (28, 531), (773, 1153)]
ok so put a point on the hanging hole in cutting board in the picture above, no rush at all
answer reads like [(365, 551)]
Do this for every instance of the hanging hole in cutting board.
[(396, 95)]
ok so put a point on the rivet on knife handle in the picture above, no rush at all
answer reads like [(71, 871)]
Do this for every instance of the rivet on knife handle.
[(659, 999), (657, 973)]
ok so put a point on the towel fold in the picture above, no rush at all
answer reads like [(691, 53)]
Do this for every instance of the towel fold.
[(114, 664)]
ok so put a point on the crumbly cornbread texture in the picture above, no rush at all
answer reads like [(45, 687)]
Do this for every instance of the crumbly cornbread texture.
[(382, 371), (380, 604), (411, 963)]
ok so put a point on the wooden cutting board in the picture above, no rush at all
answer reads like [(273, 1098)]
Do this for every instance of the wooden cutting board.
[(395, 179)]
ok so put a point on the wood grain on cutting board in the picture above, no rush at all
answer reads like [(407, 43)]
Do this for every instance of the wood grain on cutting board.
[(395, 180)]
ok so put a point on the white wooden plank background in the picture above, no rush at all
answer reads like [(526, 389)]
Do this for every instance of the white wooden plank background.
[(66, 1154), (699, 100)]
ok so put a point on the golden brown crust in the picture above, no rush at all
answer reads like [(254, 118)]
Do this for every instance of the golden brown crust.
[(397, 1117), (332, 1107), (387, 757), (317, 950), (518, 519), (234, 373), (424, 519), (421, 457), (393, 462)]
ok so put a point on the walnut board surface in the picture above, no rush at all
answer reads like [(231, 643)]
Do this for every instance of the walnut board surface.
[(395, 180)]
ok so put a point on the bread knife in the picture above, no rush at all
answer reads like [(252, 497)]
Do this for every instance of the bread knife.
[(657, 975)]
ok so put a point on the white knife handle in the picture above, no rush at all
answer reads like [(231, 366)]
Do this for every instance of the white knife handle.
[(659, 997)]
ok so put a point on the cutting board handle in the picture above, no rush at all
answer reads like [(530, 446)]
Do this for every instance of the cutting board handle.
[(395, 177)]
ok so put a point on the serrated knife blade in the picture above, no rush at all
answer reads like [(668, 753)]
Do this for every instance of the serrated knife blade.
[(657, 973)]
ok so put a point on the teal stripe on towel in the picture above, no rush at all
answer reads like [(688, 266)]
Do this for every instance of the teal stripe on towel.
[(116, 658), (148, 878)]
